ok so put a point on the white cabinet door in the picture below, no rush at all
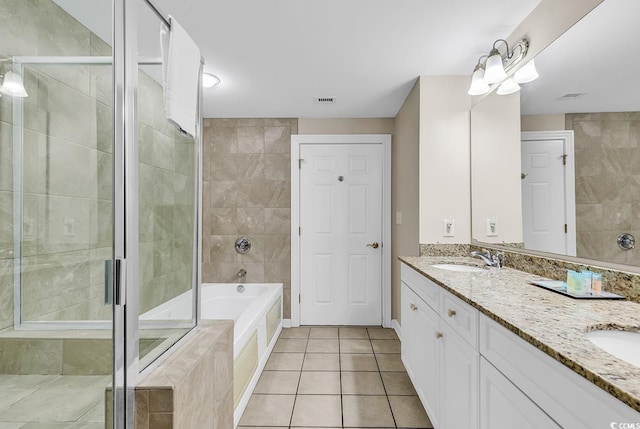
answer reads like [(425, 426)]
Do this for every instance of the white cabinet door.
[(504, 406), (419, 349), (459, 364)]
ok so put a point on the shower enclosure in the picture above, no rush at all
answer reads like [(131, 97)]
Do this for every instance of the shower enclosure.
[(99, 207)]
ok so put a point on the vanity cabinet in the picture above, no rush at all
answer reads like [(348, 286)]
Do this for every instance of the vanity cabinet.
[(419, 353), (439, 350), (472, 372), (504, 406)]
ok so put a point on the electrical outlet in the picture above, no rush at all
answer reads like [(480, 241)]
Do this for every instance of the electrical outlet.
[(449, 228), (492, 228), (398, 218)]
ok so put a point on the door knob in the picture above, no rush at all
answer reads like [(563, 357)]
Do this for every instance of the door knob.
[(375, 245)]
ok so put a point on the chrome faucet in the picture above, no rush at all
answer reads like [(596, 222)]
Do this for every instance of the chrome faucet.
[(242, 273), (494, 260)]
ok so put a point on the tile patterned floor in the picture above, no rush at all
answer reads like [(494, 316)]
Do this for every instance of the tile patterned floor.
[(335, 378)]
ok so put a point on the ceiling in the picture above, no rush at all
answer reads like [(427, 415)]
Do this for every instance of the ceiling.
[(598, 58), (275, 57)]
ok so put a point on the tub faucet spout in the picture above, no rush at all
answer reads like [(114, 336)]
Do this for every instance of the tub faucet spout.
[(242, 273)]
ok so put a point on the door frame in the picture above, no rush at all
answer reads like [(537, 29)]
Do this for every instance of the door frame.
[(569, 179), (328, 139)]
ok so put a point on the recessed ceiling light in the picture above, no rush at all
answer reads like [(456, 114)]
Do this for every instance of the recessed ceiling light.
[(209, 80)]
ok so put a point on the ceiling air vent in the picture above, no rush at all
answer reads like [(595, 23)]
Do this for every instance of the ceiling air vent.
[(325, 100), (572, 96)]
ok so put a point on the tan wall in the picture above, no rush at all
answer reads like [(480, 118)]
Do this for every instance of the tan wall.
[(247, 192), (404, 189), (346, 126), (495, 151), (542, 122), (444, 158)]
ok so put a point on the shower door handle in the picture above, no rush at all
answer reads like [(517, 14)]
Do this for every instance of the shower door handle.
[(114, 280)]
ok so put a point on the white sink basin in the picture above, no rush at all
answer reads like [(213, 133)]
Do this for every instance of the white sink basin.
[(622, 344), (458, 267)]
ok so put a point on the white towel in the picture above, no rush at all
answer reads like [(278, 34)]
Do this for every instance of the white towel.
[(180, 74)]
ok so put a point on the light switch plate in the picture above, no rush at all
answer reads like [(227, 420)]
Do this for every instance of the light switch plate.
[(449, 228), (492, 228)]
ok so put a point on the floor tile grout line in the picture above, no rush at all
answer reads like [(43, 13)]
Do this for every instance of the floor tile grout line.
[(295, 398)]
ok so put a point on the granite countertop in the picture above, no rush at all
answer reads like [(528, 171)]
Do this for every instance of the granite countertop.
[(553, 323)]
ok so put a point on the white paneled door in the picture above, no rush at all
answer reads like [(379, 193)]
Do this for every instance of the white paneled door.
[(546, 196), (341, 191)]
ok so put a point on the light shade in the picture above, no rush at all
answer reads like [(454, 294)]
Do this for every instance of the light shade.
[(478, 85), (12, 85), (527, 73), (494, 69), (508, 87), (209, 80)]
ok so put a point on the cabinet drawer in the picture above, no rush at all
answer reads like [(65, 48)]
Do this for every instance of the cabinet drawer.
[(422, 286), (460, 316)]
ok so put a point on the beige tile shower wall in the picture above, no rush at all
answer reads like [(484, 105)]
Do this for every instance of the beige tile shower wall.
[(166, 193), (63, 115), (247, 192), (67, 176), (607, 161)]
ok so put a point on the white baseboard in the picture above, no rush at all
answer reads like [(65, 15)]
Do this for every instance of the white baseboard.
[(286, 323), (396, 327)]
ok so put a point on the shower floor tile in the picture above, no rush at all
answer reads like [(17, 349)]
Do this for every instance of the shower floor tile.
[(351, 377), (52, 401)]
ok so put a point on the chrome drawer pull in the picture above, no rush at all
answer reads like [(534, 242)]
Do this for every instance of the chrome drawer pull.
[(413, 307), (451, 313)]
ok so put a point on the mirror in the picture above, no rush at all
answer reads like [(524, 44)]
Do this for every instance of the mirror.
[(585, 105)]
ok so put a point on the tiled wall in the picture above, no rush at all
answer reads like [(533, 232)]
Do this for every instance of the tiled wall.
[(193, 388), (247, 192), (167, 201), (60, 98), (607, 147), (67, 177)]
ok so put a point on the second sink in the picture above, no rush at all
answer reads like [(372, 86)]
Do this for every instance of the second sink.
[(624, 345), (459, 267)]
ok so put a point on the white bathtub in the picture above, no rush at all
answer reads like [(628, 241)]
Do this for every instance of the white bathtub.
[(257, 324)]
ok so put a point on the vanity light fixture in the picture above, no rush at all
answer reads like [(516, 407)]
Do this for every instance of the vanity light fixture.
[(496, 67), (209, 80)]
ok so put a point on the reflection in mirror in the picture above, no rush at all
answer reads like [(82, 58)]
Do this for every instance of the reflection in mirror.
[(588, 97)]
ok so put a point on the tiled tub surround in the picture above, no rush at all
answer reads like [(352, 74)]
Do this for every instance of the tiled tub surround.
[(553, 323), (335, 377), (607, 157), (247, 192), (193, 388)]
